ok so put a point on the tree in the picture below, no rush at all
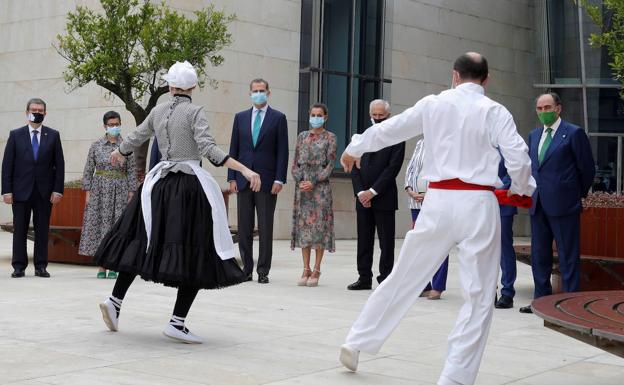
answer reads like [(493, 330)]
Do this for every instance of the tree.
[(127, 48), (609, 16)]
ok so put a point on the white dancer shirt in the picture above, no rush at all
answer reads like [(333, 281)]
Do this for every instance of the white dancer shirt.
[(463, 129)]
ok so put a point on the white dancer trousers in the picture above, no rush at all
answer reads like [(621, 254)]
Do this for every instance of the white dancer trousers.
[(469, 220)]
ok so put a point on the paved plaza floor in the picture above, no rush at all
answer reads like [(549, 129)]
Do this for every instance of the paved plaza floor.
[(278, 334)]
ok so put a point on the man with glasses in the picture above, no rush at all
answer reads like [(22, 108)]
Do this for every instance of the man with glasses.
[(260, 142), (33, 172)]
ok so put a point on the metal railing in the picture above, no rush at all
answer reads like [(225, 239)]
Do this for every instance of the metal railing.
[(620, 150)]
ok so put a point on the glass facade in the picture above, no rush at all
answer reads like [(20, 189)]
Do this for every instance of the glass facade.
[(580, 74), (341, 62)]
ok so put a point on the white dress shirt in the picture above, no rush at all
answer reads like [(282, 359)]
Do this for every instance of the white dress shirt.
[(554, 127), (463, 130)]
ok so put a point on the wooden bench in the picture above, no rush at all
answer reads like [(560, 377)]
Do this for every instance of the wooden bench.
[(597, 272), (593, 317)]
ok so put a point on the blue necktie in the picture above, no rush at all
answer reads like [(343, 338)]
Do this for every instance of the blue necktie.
[(35, 143), (255, 133)]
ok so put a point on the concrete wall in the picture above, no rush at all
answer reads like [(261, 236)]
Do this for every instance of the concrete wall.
[(423, 39), (426, 36)]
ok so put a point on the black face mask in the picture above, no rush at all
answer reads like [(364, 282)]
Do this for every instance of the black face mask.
[(379, 120), (36, 117)]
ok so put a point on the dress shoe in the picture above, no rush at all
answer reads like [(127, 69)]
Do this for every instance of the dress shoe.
[(183, 335), (360, 285), (263, 278), (504, 302), (526, 309), (249, 278), (349, 357), (43, 273), (17, 273)]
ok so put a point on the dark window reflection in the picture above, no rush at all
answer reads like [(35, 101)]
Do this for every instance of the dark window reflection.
[(563, 42), (605, 155), (605, 110)]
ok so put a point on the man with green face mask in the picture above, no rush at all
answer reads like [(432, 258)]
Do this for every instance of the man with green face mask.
[(563, 167)]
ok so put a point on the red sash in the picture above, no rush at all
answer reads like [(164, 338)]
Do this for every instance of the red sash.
[(501, 195)]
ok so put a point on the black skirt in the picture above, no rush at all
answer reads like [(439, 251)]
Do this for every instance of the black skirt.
[(181, 251)]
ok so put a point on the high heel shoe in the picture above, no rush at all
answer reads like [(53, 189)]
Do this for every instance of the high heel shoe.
[(304, 277), (313, 281)]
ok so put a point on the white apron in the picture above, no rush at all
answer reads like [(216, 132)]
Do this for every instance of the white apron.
[(220, 228)]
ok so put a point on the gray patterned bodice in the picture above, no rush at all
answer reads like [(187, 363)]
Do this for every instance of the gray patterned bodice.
[(182, 131)]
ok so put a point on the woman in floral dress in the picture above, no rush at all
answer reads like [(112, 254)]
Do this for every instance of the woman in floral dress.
[(313, 217), (109, 188)]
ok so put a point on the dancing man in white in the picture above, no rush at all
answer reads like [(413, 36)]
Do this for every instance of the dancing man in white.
[(463, 132)]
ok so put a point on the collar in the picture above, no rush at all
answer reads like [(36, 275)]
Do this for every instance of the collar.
[(471, 87), (31, 129), (554, 127), (105, 140), (263, 109), (183, 96)]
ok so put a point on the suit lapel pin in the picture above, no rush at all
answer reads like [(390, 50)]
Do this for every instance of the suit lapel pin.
[(564, 136)]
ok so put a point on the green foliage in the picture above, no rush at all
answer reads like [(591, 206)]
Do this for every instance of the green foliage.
[(609, 16), (127, 48)]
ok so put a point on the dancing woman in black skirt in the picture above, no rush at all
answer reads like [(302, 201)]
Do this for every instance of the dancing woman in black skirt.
[(175, 231)]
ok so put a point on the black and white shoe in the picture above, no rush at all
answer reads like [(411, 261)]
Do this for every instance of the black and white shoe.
[(110, 313), (182, 335)]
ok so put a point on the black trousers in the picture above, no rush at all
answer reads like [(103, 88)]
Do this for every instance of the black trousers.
[(40, 207), (248, 203), (184, 300), (367, 221)]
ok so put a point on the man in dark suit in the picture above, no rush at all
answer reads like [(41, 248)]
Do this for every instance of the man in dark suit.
[(508, 254), (33, 172), (260, 142), (563, 167), (374, 185)]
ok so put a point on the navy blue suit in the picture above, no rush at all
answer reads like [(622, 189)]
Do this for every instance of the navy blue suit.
[(563, 178), (269, 158), (31, 182), (508, 254)]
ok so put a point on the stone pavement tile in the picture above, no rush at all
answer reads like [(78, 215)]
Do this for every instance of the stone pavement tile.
[(244, 364), (107, 376), (607, 358), (517, 363), (27, 361), (391, 366), (540, 339), (341, 376), (582, 373)]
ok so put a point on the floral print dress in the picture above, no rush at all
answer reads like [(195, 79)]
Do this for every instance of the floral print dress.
[(109, 187), (313, 216)]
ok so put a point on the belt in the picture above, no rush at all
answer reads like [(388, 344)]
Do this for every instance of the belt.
[(114, 174), (457, 184)]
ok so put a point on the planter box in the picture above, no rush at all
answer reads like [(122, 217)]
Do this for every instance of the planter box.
[(602, 248), (65, 228), (602, 232)]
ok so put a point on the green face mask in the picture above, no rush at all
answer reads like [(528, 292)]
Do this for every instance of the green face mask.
[(547, 118)]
